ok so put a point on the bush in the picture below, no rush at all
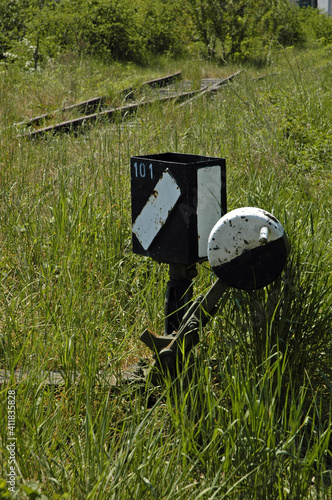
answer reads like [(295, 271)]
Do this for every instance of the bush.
[(33, 30), (317, 25), (164, 27), (12, 24), (111, 30), (256, 26)]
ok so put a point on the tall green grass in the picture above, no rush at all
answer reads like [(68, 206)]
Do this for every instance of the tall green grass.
[(250, 415)]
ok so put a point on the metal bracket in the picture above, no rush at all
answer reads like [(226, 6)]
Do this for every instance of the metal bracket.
[(179, 294), (167, 348)]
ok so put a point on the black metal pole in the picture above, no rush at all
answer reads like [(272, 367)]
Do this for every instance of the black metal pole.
[(179, 293)]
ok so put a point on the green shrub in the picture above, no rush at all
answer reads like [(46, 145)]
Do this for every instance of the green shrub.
[(31, 31), (317, 25), (12, 24), (163, 27), (256, 26), (111, 30)]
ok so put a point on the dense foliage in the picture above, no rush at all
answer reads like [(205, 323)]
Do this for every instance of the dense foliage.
[(33, 30)]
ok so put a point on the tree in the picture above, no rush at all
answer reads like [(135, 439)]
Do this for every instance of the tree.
[(208, 18)]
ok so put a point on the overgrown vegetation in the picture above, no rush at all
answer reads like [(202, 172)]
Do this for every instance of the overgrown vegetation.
[(32, 31), (250, 415)]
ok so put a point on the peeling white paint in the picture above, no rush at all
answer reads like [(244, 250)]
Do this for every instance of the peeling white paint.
[(208, 204), (240, 230), (156, 210)]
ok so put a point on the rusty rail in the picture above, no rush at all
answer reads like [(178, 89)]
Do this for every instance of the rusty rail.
[(128, 109), (154, 84), (94, 104), (84, 107), (134, 373), (110, 114), (213, 88)]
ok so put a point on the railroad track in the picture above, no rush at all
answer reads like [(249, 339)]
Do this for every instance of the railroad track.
[(134, 373), (170, 88)]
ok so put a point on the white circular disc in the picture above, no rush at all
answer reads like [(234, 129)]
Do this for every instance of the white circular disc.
[(247, 248)]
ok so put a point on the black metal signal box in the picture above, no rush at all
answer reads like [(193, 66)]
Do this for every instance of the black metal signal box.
[(176, 201)]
